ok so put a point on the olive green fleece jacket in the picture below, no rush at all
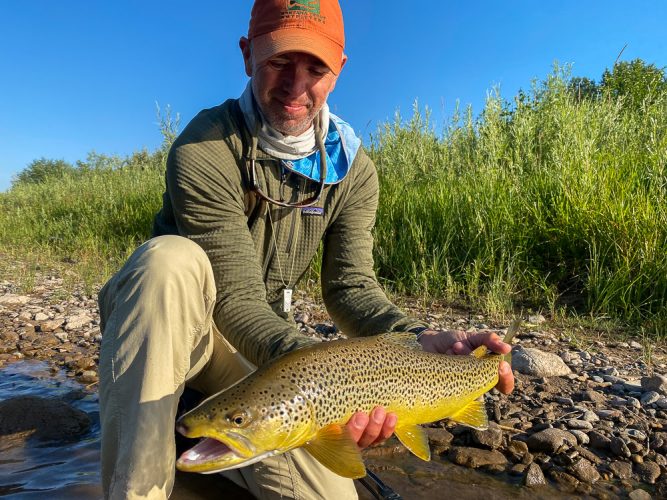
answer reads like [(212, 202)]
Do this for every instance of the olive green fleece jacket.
[(208, 200)]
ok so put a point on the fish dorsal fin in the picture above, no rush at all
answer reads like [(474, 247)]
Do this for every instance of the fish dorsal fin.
[(414, 439), (473, 414), (404, 339), (334, 448)]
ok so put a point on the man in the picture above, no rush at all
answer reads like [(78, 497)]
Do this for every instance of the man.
[(253, 187)]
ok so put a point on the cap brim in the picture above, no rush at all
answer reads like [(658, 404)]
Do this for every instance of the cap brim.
[(298, 40)]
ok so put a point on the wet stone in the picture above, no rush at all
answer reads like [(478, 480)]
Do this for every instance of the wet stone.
[(491, 438), (650, 397), (622, 470), (551, 441), (584, 471), (657, 383), (76, 322), (647, 472), (43, 418), (517, 449), (619, 447), (599, 440), (593, 396), (475, 458), (534, 477), (51, 325), (565, 481), (582, 437), (439, 439), (531, 361), (639, 494), (13, 300), (577, 424)]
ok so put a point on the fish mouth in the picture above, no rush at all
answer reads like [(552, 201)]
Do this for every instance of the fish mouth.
[(212, 454), (208, 456)]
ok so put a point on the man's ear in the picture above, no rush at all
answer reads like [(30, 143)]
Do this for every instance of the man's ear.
[(342, 63), (246, 50)]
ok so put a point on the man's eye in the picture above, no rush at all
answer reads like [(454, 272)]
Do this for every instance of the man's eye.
[(319, 71), (278, 64)]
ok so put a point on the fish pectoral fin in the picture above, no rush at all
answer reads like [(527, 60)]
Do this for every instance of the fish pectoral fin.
[(473, 414), (414, 439), (334, 448), (480, 352)]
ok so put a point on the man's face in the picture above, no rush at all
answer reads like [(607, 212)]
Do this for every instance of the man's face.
[(290, 88)]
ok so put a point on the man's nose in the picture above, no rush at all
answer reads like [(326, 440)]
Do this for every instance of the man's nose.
[(295, 80)]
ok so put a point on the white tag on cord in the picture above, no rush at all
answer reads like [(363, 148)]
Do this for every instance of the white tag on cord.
[(287, 300)]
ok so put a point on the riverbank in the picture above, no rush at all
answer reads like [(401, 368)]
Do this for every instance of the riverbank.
[(588, 416)]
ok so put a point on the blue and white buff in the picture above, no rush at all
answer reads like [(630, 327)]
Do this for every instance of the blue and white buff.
[(300, 154)]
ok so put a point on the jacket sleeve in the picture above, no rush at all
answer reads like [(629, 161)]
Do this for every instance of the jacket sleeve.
[(350, 289), (206, 196)]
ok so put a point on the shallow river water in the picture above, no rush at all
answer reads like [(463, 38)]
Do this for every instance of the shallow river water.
[(30, 469)]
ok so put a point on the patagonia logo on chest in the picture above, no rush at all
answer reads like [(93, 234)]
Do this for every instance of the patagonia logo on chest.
[(312, 211)]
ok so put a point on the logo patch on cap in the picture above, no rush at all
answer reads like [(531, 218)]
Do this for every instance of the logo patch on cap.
[(299, 10), (311, 6)]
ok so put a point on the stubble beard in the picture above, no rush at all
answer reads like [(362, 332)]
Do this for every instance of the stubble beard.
[(287, 125)]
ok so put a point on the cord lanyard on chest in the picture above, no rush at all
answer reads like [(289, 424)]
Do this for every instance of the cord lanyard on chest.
[(256, 188), (287, 285)]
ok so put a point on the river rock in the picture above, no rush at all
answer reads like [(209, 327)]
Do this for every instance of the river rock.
[(584, 471), (647, 472), (10, 299), (517, 449), (46, 419), (491, 438), (531, 361), (51, 325), (475, 458), (440, 439), (650, 397), (40, 316), (639, 494), (619, 447), (551, 441), (536, 319), (76, 322), (564, 480), (534, 476), (582, 437), (578, 424), (657, 383), (622, 470)]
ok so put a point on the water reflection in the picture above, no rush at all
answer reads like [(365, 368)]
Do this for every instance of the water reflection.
[(31, 469)]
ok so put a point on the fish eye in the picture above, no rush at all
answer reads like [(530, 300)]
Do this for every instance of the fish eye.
[(239, 419)]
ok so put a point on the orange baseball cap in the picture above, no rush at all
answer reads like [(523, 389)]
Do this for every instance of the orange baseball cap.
[(311, 26)]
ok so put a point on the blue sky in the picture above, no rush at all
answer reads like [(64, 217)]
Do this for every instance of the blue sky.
[(83, 75)]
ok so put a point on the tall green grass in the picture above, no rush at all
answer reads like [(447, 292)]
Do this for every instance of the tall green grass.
[(545, 201), (548, 201)]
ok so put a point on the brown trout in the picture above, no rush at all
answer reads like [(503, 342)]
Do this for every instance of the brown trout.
[(305, 398)]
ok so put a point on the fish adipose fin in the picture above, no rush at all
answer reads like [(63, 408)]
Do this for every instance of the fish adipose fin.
[(414, 439), (404, 339), (472, 414), (334, 448)]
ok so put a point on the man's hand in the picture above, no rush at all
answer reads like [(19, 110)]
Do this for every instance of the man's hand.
[(371, 429), (379, 425), (460, 342)]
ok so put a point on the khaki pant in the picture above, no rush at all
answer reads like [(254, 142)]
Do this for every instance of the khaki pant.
[(158, 336)]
